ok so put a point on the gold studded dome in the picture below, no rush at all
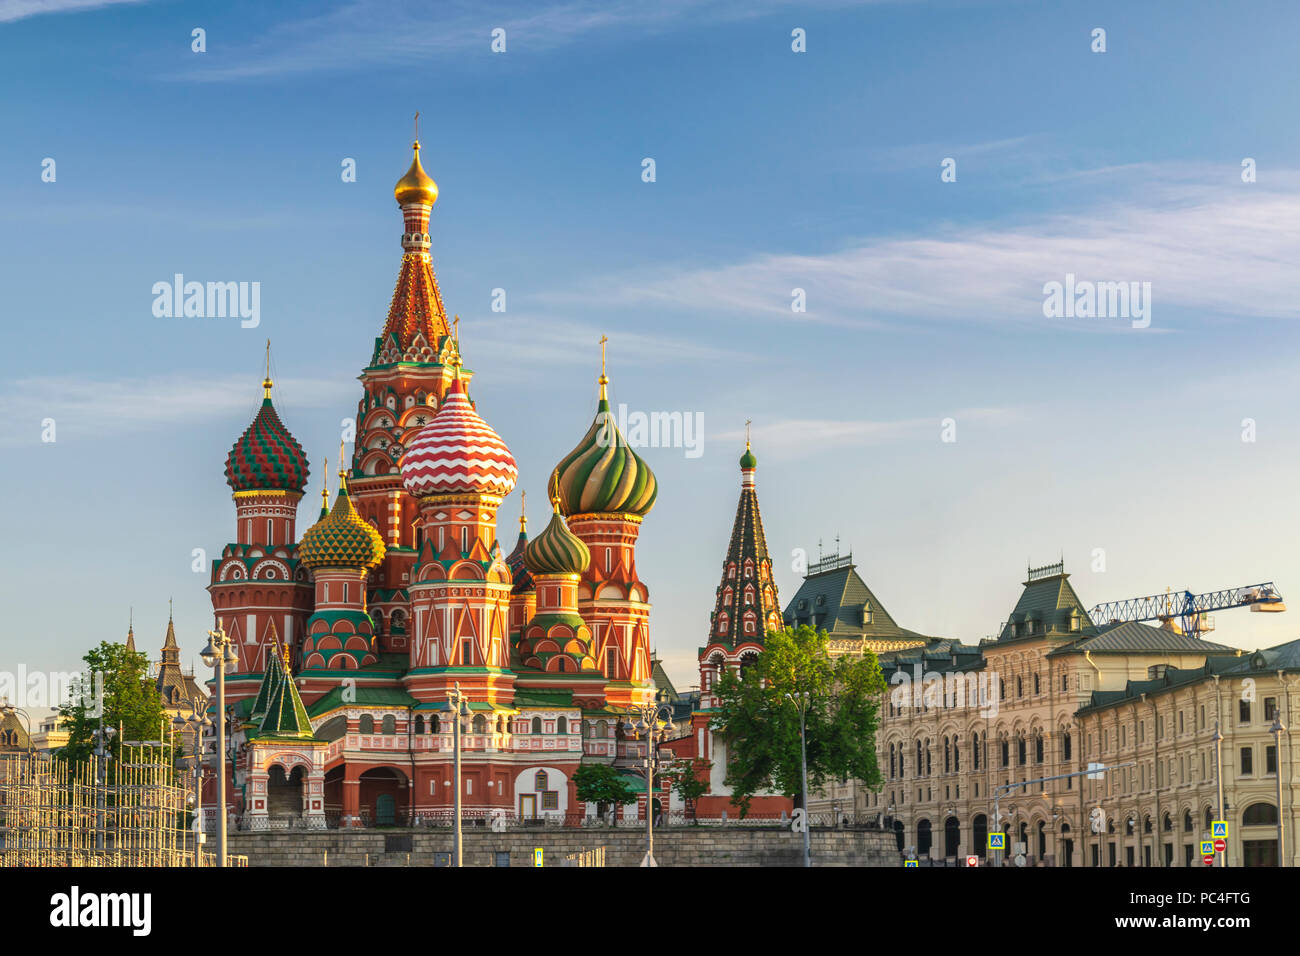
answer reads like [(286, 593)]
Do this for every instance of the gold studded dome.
[(342, 538), (416, 186)]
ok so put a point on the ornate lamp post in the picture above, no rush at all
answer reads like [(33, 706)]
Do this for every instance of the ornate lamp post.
[(195, 723), (801, 702), (218, 655), (654, 723), (459, 710)]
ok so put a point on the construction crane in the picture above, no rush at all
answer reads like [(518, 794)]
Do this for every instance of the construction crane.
[(1188, 609)]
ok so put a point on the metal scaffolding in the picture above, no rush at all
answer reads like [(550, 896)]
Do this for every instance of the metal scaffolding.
[(125, 812)]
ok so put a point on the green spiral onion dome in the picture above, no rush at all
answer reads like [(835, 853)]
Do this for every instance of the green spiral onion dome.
[(603, 474), (266, 457), (342, 539), (557, 550)]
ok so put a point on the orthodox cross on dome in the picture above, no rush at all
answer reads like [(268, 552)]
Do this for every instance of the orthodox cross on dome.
[(343, 472), (555, 489), (266, 382), (523, 510), (604, 379), (417, 126), (748, 422)]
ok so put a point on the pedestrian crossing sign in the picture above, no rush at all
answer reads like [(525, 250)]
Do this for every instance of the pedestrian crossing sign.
[(1219, 828), (997, 841), (1207, 848), (915, 863)]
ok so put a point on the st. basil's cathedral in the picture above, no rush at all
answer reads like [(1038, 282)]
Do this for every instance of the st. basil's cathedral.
[(350, 638)]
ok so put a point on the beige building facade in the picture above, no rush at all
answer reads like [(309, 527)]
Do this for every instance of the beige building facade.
[(1052, 693)]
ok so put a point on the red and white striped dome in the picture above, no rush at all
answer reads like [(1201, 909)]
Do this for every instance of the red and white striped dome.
[(458, 453)]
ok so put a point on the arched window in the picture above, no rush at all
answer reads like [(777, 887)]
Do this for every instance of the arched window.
[(1038, 747), (539, 781), (480, 724), (435, 725), (367, 724), (975, 750), (419, 724), (390, 724), (1259, 815), (1187, 821), (562, 726), (1065, 745), (602, 729), (537, 725)]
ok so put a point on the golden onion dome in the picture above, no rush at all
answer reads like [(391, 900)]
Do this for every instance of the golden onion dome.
[(557, 550), (342, 538), (417, 185)]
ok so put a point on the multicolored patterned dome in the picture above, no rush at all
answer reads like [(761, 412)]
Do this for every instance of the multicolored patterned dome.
[(267, 457), (458, 453), (557, 550), (603, 474), (342, 539)]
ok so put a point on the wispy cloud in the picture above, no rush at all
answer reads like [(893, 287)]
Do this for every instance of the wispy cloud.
[(365, 33), (106, 408), (1224, 249), (11, 10), (794, 437), (538, 343)]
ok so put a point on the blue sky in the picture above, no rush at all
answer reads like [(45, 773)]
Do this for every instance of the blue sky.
[(775, 170)]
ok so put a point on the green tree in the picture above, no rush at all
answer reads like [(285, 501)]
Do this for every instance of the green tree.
[(690, 778), (602, 785), (761, 725), (130, 703)]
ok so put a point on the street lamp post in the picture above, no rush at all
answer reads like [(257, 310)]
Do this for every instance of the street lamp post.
[(801, 702), (196, 723), (1276, 730), (218, 655), (459, 710), (654, 723), (1218, 781)]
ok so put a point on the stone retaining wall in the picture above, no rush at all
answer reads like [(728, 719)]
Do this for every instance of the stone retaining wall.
[(678, 846)]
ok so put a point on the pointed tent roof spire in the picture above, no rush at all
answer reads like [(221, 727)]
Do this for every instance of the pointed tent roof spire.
[(170, 649), (130, 631), (746, 607), (271, 678), (284, 715)]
